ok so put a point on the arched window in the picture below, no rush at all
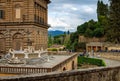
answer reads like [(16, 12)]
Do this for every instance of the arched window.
[(73, 65), (64, 69), (17, 11)]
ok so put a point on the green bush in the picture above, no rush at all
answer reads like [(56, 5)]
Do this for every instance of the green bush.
[(93, 61), (52, 49)]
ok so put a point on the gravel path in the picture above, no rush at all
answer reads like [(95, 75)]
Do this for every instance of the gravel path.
[(110, 62)]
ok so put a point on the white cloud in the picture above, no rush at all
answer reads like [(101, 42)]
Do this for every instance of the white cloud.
[(64, 22), (88, 9), (57, 22), (69, 6), (68, 14)]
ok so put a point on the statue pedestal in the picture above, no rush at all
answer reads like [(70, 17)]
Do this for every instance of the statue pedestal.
[(39, 55), (13, 55), (26, 55)]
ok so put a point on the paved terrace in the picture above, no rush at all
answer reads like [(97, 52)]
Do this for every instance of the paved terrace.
[(43, 62)]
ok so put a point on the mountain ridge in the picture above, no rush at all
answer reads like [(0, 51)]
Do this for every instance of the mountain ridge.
[(55, 32)]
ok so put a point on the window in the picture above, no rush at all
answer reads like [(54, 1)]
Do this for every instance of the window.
[(18, 13), (2, 13)]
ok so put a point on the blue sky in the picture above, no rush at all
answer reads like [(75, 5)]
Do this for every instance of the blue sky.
[(68, 14)]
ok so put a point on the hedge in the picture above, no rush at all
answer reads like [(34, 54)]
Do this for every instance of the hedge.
[(52, 49), (93, 61)]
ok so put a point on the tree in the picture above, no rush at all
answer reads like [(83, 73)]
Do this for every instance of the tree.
[(73, 42), (50, 40), (102, 10), (91, 24), (82, 28), (88, 33), (59, 39), (98, 32), (87, 28), (102, 15), (113, 30), (68, 32)]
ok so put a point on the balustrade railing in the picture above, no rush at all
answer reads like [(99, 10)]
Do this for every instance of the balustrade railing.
[(23, 70)]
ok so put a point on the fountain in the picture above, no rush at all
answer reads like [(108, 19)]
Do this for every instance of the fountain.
[(39, 53), (15, 61), (11, 51), (48, 59), (7, 56), (26, 54), (14, 56)]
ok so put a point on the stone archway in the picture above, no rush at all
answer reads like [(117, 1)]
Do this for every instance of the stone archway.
[(17, 41), (64, 69), (2, 43)]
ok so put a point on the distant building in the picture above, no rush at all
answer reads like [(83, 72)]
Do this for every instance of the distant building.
[(102, 46), (96, 46), (23, 23)]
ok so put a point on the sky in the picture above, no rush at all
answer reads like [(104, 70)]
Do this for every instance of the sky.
[(66, 15)]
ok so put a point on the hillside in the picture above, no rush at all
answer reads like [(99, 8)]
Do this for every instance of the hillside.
[(55, 33)]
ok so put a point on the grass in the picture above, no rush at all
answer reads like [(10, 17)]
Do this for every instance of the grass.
[(93, 61)]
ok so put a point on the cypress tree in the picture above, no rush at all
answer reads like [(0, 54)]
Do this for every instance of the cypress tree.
[(113, 30), (102, 10), (102, 15)]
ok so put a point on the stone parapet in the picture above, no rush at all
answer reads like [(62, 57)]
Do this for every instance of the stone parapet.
[(98, 74), (109, 55)]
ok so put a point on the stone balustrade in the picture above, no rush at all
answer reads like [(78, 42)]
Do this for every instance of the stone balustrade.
[(23, 70)]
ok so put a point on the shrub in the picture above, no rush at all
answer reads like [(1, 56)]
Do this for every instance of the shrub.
[(52, 49), (93, 61)]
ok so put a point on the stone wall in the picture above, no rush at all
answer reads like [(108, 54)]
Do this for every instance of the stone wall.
[(87, 39), (24, 23), (109, 55), (98, 74)]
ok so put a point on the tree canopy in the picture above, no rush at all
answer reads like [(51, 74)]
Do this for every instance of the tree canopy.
[(113, 30)]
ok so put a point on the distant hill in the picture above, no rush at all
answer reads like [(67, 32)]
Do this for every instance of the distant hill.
[(55, 33)]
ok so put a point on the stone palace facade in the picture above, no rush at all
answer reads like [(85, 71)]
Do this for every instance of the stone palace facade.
[(23, 23)]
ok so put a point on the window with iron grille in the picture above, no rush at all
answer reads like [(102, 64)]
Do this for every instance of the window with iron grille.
[(2, 13)]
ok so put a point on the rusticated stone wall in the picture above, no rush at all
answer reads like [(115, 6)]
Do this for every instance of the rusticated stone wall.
[(23, 23), (98, 74)]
